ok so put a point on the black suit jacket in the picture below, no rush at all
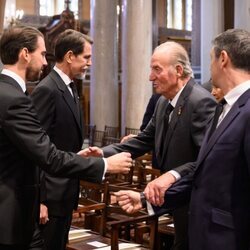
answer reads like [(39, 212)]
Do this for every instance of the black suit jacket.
[(189, 119), (23, 146), (57, 113)]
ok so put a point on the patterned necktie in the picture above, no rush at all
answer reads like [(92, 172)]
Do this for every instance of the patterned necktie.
[(217, 114), (169, 109), (75, 96)]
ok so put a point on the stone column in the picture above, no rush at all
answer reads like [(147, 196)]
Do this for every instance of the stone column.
[(104, 76), (2, 10), (136, 54), (212, 23), (242, 14)]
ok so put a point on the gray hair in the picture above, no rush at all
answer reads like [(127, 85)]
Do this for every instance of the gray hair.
[(179, 56), (236, 42)]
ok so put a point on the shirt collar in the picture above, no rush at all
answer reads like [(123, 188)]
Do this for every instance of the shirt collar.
[(232, 96), (64, 77), (175, 99), (16, 77)]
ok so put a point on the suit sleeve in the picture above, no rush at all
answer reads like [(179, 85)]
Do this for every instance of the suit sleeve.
[(137, 146), (21, 126)]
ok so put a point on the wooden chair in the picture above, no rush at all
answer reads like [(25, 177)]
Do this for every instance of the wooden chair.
[(92, 202), (89, 131), (111, 132), (131, 226), (134, 131), (98, 138)]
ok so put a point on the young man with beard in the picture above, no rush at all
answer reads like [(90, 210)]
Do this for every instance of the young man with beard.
[(24, 145), (57, 103)]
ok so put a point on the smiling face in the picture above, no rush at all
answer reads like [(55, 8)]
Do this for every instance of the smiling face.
[(81, 62), (164, 74), (37, 61)]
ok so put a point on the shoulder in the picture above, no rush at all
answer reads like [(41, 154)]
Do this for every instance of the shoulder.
[(12, 99)]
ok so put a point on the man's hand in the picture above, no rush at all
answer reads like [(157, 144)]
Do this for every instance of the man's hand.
[(129, 200), (119, 163), (44, 216), (155, 190), (125, 138), (91, 151)]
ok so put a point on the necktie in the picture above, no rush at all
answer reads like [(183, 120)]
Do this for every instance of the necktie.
[(26, 92), (169, 109), (75, 96), (217, 114)]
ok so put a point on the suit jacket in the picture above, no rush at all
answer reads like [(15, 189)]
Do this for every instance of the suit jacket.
[(186, 129), (220, 198), (57, 113), (23, 146)]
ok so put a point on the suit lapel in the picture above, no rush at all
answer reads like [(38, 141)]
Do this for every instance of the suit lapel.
[(225, 123), (176, 115), (69, 100)]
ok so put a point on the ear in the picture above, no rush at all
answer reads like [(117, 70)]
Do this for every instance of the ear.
[(224, 58), (24, 55), (69, 56), (179, 70)]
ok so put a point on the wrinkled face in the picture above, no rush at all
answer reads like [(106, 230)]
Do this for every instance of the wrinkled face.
[(163, 75), (37, 61), (80, 63)]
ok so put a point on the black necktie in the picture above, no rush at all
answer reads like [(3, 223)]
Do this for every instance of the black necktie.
[(169, 109), (75, 96), (26, 92), (217, 114)]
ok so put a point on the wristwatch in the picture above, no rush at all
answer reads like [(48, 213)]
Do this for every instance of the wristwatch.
[(143, 200)]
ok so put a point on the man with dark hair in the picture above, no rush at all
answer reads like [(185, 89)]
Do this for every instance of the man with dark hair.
[(24, 144), (219, 213), (178, 123), (57, 103)]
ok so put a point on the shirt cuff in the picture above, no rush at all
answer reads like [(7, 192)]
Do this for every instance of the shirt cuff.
[(150, 208), (175, 174), (105, 168)]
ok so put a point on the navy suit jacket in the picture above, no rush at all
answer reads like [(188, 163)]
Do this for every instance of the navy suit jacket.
[(23, 146), (220, 198), (57, 113)]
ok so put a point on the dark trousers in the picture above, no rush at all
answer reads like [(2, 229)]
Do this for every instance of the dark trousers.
[(35, 244), (180, 216), (55, 232)]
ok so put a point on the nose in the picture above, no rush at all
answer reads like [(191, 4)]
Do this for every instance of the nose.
[(45, 63), (151, 76)]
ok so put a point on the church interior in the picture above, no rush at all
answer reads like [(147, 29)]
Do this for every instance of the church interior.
[(116, 90)]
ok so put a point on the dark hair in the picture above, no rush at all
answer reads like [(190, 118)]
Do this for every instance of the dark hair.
[(15, 39), (70, 40), (236, 42)]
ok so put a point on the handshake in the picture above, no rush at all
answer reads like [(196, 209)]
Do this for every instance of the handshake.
[(118, 163)]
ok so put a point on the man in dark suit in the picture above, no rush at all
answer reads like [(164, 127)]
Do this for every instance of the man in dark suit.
[(220, 198), (24, 144), (180, 140), (60, 114)]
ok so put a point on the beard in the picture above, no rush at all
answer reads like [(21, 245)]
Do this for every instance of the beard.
[(32, 74)]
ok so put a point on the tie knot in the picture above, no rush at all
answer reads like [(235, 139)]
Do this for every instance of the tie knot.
[(72, 85), (169, 108), (222, 102)]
